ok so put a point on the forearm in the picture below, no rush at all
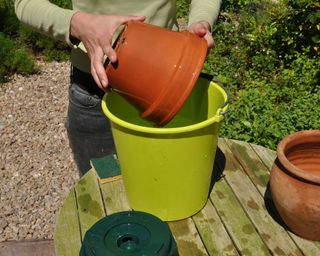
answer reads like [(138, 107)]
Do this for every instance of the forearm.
[(204, 10), (45, 17)]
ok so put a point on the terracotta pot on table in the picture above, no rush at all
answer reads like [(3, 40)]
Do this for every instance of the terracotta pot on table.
[(295, 183)]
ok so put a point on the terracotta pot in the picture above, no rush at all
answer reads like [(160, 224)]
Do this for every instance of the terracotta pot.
[(295, 183), (156, 69)]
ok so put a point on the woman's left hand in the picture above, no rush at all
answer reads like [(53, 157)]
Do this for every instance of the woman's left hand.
[(202, 29)]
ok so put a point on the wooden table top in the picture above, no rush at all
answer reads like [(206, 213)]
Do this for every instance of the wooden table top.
[(238, 219)]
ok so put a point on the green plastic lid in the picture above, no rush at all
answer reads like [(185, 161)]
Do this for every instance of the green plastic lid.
[(130, 233)]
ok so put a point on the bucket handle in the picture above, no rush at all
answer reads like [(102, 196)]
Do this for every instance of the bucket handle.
[(210, 78), (226, 101)]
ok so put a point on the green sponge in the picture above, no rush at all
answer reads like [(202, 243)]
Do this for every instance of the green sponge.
[(107, 168)]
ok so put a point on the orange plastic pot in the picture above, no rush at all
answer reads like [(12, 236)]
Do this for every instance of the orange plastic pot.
[(295, 183), (156, 69)]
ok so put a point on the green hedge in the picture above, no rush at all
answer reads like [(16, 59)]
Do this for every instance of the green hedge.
[(19, 45), (266, 53)]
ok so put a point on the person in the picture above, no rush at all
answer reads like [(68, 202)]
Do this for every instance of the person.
[(90, 29)]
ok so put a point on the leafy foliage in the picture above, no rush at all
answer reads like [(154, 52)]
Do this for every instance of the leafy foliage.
[(19, 45), (14, 59), (267, 54), (182, 9)]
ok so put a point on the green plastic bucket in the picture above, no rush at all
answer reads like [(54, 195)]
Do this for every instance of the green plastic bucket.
[(167, 170)]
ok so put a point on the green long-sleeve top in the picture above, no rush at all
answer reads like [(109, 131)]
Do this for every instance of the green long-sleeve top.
[(55, 21)]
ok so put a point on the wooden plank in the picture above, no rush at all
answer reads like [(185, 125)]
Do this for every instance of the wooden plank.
[(250, 162), (266, 155), (67, 238), (236, 222), (114, 197), (213, 233), (90, 205), (27, 248), (251, 199), (311, 248), (187, 238)]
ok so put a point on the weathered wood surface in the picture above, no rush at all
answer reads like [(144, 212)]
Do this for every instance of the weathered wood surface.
[(89, 201), (238, 219), (212, 231), (27, 248), (67, 233), (246, 177)]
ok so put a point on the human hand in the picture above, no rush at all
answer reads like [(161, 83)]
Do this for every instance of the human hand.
[(202, 29), (95, 32)]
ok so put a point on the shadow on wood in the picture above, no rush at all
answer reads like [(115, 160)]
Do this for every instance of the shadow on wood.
[(218, 168), (271, 208)]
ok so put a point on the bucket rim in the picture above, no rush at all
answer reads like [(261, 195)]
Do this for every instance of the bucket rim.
[(172, 130)]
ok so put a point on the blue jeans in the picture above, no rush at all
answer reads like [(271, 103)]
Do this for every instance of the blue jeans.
[(88, 128)]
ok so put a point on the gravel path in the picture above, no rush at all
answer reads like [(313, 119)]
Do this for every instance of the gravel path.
[(36, 166)]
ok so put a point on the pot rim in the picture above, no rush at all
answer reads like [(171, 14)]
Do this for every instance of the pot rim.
[(283, 146)]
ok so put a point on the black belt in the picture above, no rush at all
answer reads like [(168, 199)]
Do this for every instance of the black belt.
[(86, 82)]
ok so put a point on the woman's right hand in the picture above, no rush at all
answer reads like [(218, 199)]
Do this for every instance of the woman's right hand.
[(95, 32)]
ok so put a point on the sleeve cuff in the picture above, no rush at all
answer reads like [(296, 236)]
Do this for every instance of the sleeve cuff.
[(204, 11), (71, 41)]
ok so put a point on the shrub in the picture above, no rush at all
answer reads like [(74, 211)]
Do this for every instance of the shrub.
[(14, 58), (182, 9), (266, 111), (18, 36), (270, 66)]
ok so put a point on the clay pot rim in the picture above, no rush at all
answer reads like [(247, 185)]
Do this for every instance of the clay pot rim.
[(282, 148)]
